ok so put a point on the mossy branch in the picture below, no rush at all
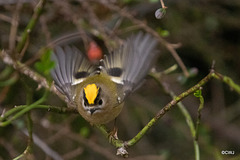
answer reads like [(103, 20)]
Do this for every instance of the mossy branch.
[(228, 81), (5, 120), (198, 94), (24, 110), (123, 145)]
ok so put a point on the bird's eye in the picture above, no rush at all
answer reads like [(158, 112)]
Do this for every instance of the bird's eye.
[(100, 102), (85, 104)]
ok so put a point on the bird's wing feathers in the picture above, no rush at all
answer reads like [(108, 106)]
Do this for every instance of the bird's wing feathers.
[(129, 64), (71, 68)]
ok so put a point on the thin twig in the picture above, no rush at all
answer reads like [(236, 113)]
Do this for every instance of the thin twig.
[(73, 153), (14, 26), (201, 105), (228, 81), (192, 128), (177, 58), (144, 26), (41, 144), (49, 108), (5, 18), (31, 24), (22, 68), (162, 3)]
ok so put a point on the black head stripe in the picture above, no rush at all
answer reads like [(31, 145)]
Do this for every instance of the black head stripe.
[(98, 96), (84, 98)]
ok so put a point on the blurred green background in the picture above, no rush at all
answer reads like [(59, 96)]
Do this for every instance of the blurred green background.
[(207, 30)]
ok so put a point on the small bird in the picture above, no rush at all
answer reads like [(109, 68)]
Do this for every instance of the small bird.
[(98, 91)]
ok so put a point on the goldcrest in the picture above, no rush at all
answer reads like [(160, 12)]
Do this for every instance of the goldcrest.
[(98, 92)]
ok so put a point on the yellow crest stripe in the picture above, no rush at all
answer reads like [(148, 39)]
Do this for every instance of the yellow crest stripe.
[(91, 92)]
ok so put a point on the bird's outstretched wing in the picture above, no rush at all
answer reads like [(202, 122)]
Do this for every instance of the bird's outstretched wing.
[(129, 64), (71, 68)]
